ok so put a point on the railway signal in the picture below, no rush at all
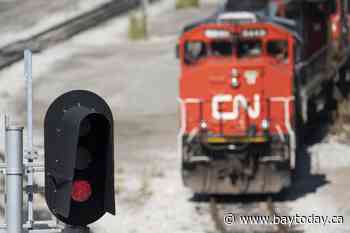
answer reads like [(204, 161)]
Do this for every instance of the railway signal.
[(79, 160)]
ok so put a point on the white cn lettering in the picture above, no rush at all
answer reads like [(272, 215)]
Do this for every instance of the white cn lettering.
[(237, 101)]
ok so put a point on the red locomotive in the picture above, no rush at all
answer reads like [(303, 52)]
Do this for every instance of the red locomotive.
[(251, 77)]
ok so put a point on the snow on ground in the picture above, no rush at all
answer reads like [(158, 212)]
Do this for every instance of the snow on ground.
[(328, 156), (322, 188)]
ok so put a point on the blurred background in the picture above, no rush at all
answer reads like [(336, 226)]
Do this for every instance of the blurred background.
[(126, 54)]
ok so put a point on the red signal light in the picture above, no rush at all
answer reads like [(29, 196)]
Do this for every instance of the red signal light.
[(81, 190)]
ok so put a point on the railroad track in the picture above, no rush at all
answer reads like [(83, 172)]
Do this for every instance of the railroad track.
[(269, 209), (13, 52)]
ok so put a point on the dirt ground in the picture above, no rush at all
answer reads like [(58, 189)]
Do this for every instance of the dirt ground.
[(139, 80)]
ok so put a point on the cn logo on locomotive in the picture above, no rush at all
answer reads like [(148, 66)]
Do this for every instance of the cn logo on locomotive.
[(237, 101)]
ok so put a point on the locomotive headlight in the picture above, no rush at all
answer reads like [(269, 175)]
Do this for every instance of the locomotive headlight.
[(265, 124), (234, 73), (203, 125), (251, 76), (235, 82), (334, 27)]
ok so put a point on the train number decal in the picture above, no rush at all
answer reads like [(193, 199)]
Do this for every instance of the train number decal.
[(238, 101)]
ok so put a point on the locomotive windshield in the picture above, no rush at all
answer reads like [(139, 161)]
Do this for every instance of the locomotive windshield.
[(194, 50), (241, 49), (278, 49), (221, 48), (249, 48)]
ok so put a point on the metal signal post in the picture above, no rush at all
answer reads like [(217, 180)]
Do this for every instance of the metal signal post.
[(14, 172), (30, 152)]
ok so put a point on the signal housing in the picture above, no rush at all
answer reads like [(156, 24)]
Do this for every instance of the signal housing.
[(79, 158)]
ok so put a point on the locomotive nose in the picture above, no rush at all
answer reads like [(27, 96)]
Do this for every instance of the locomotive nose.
[(238, 103)]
